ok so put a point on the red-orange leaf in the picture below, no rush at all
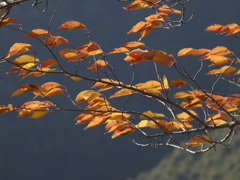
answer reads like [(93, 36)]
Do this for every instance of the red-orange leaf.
[(178, 82), (26, 88), (94, 49), (4, 109), (70, 25)]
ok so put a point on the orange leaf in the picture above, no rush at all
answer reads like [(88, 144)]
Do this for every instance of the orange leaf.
[(70, 25), (18, 48), (37, 33), (228, 28), (220, 51), (71, 55), (184, 117), (191, 51), (214, 27), (94, 49), (99, 64), (138, 27), (199, 140), (127, 129), (183, 95), (4, 109), (7, 21), (49, 63), (225, 70), (151, 115), (133, 44), (137, 4), (96, 121), (135, 56), (156, 17), (160, 57), (49, 89), (119, 50), (26, 88), (52, 41), (216, 122), (105, 86), (122, 92), (219, 60), (87, 95), (178, 82), (169, 10)]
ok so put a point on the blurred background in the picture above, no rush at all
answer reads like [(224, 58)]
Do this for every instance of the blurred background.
[(53, 147)]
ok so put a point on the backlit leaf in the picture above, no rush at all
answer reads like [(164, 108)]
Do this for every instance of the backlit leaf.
[(25, 59), (133, 44), (216, 122), (18, 48), (70, 25), (119, 50), (26, 88), (199, 140), (7, 21), (52, 41), (37, 33), (169, 10), (94, 49), (151, 115), (214, 27), (87, 95), (99, 64), (178, 82)]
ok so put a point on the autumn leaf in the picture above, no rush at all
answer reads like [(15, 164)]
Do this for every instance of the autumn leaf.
[(99, 64), (160, 57), (37, 33), (7, 21), (125, 130), (70, 25), (27, 88), (87, 95), (135, 56), (49, 63), (75, 78), (122, 92), (219, 60), (199, 140), (5, 109), (151, 115), (137, 4), (52, 41), (178, 82), (216, 122), (225, 70), (214, 27), (191, 51), (25, 59), (169, 10), (71, 55), (94, 49), (49, 89), (104, 86), (184, 117), (119, 50), (133, 44), (18, 48)]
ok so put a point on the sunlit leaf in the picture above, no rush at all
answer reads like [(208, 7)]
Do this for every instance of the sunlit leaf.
[(75, 78), (49, 89), (216, 122), (99, 64), (18, 48), (94, 49), (199, 140), (5, 109), (7, 21), (135, 56), (127, 129), (151, 115), (52, 41), (87, 95), (219, 60), (184, 117), (133, 44), (178, 82), (122, 92), (49, 63), (25, 59), (26, 88), (119, 50), (191, 51), (225, 70), (37, 33), (169, 10), (70, 25), (214, 27)]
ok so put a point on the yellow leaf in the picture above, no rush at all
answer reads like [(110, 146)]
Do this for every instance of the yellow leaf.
[(7, 21), (25, 59), (18, 48), (75, 78), (151, 115), (216, 122), (94, 49), (87, 95)]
